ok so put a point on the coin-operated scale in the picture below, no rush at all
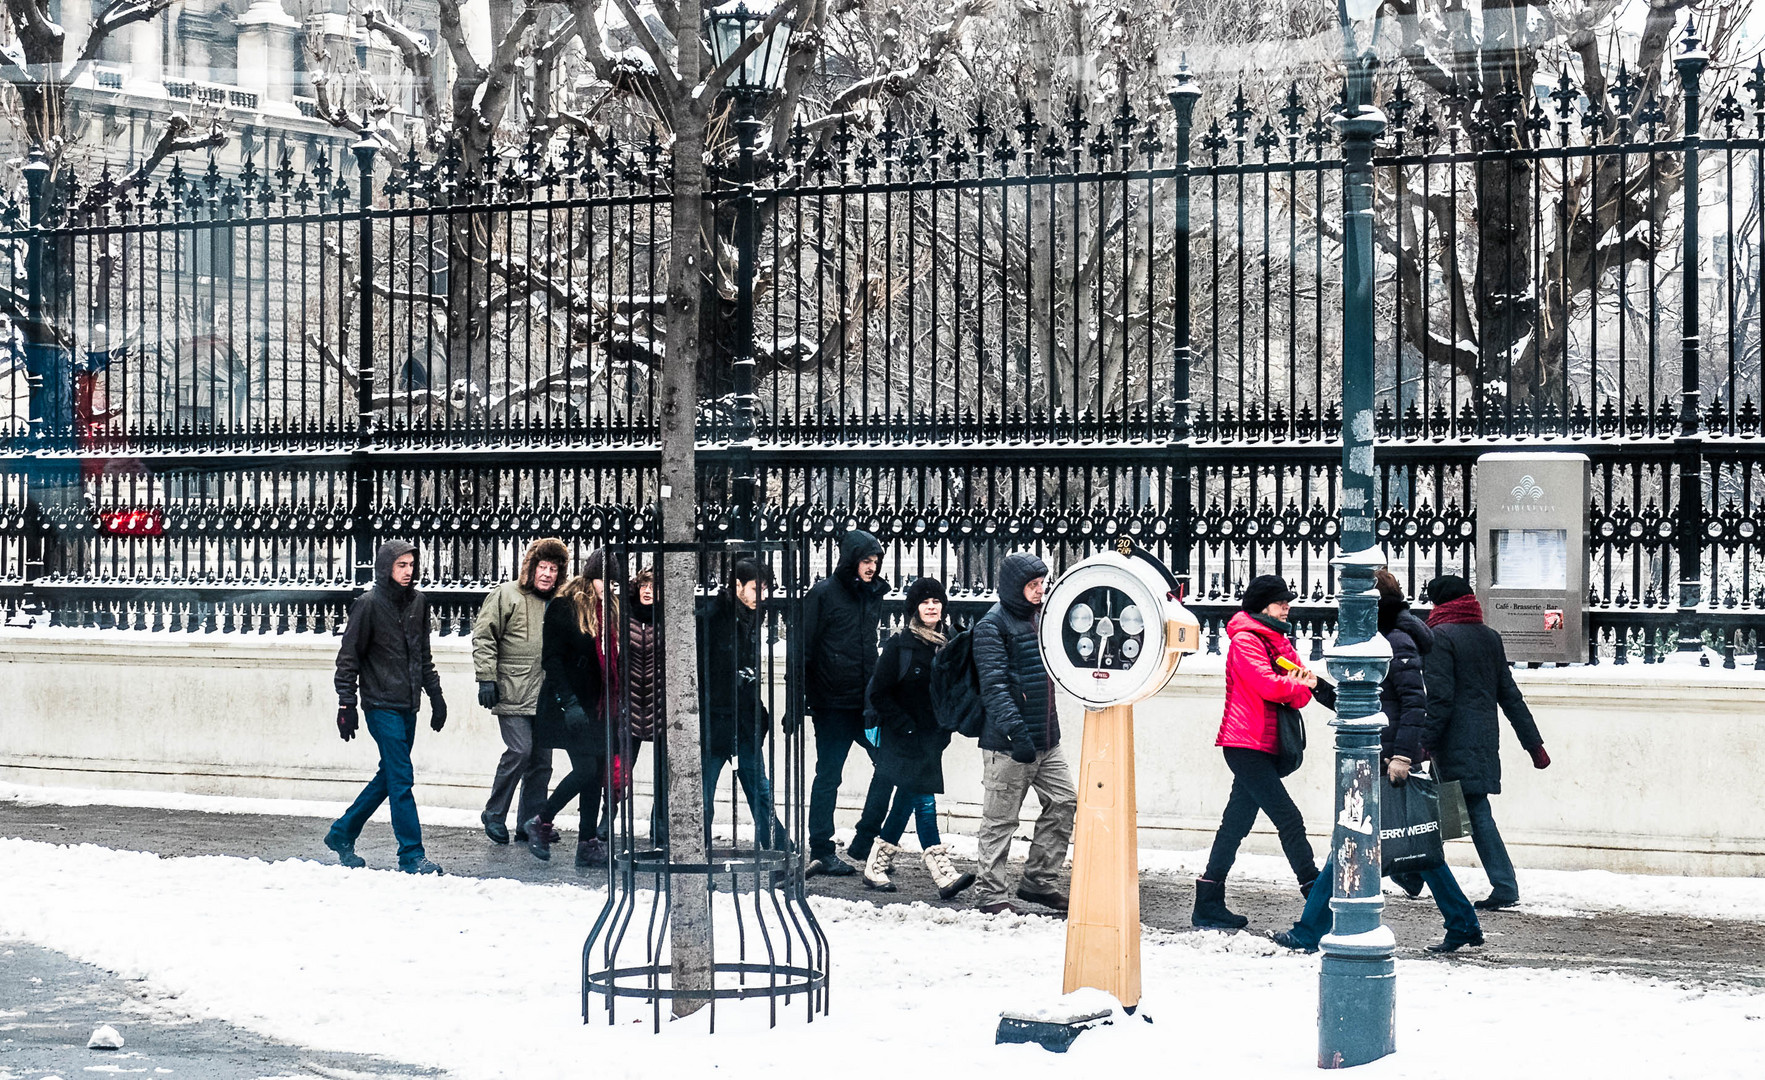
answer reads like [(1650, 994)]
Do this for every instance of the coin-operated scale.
[(1113, 631)]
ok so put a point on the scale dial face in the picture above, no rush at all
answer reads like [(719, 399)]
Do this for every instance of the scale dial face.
[(1111, 632), (1103, 629)]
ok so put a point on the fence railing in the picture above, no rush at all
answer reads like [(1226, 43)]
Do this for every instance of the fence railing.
[(971, 336)]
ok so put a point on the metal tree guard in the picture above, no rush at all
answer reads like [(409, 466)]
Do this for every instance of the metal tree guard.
[(771, 945)]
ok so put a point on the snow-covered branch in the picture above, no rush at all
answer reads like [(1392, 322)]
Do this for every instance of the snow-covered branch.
[(901, 80), (175, 139), (418, 57)]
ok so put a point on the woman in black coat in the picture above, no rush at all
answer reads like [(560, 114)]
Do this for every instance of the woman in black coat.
[(734, 719), (910, 749), (1468, 679), (580, 660)]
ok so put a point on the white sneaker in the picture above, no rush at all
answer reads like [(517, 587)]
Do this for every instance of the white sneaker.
[(876, 868)]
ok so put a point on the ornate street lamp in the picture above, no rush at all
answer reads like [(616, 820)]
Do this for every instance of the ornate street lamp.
[(1357, 991), (732, 24), (731, 28)]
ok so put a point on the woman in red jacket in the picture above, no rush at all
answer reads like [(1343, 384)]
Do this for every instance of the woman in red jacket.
[(1254, 686)]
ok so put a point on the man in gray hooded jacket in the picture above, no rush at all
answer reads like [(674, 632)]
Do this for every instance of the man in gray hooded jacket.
[(1020, 744), (383, 663)]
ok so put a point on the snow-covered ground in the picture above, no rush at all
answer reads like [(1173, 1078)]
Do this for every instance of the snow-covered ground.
[(480, 977), (1567, 893)]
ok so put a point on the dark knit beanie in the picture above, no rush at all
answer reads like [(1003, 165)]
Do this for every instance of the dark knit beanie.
[(923, 589), (1265, 590), (1448, 587), (595, 566)]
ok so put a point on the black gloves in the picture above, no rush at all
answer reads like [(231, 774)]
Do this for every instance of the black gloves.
[(487, 695), (793, 721), (1023, 751), (437, 712), (347, 721)]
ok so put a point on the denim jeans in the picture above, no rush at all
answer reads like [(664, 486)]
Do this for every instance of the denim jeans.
[(835, 732), (393, 732), (887, 809), (922, 808), (1491, 852), (1455, 908), (750, 773)]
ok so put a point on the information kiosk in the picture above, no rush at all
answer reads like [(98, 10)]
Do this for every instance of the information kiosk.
[(1532, 556)]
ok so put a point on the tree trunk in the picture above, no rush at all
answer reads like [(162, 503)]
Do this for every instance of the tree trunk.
[(689, 926)]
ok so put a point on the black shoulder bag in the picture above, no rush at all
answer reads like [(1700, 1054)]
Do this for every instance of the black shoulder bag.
[(1289, 731)]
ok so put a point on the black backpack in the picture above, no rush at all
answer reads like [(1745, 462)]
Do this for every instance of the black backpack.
[(956, 687)]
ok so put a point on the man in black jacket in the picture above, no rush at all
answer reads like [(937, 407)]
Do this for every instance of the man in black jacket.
[(385, 650), (835, 655), (1468, 677), (1020, 744)]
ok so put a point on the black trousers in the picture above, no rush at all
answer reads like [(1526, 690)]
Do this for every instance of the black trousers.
[(1256, 786), (587, 778)]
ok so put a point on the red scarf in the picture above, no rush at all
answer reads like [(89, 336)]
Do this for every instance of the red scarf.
[(1465, 609)]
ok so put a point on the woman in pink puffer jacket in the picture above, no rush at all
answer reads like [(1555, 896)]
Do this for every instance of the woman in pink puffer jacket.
[(1254, 686)]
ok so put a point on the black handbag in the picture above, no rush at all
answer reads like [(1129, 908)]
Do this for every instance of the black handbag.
[(1289, 734), (1409, 826), (1290, 740)]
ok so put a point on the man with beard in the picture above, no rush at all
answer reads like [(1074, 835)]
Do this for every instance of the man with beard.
[(506, 643)]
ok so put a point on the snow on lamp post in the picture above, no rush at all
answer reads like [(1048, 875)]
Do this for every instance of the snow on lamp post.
[(1357, 1009), (755, 77)]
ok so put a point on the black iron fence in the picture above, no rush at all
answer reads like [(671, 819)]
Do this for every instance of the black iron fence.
[(971, 335)]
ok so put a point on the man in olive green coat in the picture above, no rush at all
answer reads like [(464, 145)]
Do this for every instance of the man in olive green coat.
[(506, 643)]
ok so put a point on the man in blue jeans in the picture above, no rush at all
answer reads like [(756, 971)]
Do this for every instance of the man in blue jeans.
[(1462, 928), (384, 664)]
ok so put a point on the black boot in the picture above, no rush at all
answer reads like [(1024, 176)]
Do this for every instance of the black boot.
[(538, 838), (1210, 908)]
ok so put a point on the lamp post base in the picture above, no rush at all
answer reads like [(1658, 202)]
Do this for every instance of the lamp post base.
[(1357, 1010)]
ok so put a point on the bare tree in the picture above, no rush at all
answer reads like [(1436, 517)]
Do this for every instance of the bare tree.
[(1477, 76)]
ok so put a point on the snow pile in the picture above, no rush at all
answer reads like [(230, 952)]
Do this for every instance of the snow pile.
[(480, 977)]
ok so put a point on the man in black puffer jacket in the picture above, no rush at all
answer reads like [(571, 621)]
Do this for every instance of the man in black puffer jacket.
[(834, 656), (1020, 744), (1468, 679), (385, 650)]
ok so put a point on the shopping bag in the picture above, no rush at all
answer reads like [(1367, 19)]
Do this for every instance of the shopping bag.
[(1409, 826), (1455, 818)]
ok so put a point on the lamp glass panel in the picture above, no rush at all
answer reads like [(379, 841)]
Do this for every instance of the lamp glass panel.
[(726, 36)]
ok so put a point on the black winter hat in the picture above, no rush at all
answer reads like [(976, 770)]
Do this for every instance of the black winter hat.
[(923, 589), (595, 566), (1448, 587), (1265, 590)]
